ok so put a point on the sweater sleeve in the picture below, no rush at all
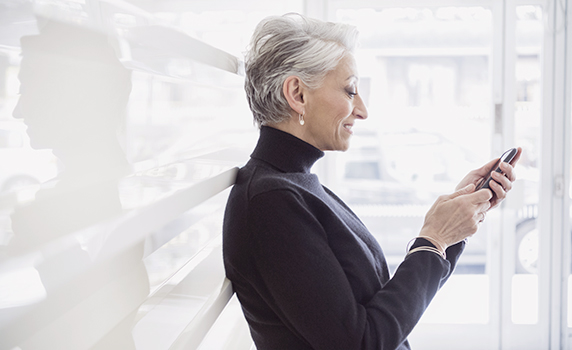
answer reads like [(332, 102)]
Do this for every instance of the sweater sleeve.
[(301, 279)]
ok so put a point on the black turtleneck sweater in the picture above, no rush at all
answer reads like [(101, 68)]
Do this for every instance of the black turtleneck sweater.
[(306, 271)]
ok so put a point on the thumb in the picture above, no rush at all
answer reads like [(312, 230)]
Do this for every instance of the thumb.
[(470, 188)]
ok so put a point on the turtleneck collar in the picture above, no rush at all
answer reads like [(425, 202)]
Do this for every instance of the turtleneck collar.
[(285, 151)]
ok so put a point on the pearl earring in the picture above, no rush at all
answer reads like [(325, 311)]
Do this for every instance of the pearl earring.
[(301, 117)]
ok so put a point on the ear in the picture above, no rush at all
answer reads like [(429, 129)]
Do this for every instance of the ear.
[(293, 90)]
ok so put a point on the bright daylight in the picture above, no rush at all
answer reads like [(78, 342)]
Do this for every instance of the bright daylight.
[(305, 174)]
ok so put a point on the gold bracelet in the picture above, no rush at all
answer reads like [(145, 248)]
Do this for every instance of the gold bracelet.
[(427, 249), (434, 242), (429, 239)]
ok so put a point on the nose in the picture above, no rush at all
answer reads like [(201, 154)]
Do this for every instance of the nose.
[(360, 110)]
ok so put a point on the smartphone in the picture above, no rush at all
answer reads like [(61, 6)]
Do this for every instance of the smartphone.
[(506, 157)]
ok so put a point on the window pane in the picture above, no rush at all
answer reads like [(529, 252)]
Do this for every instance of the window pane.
[(527, 111), (426, 73)]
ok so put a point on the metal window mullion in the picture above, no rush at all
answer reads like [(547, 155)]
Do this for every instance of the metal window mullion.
[(566, 252), (546, 163), (513, 336), (560, 160), (553, 204), (494, 248), (560, 233)]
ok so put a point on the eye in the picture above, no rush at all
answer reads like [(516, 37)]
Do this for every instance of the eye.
[(351, 93)]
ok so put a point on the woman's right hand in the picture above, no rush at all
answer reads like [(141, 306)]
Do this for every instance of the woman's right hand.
[(457, 216)]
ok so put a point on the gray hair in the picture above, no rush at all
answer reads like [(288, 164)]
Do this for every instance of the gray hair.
[(291, 45)]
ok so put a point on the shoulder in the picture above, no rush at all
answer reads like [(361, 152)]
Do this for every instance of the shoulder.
[(254, 180)]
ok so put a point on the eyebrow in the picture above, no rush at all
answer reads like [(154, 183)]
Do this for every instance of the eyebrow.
[(352, 76)]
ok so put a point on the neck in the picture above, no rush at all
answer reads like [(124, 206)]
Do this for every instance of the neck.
[(285, 151), (293, 127)]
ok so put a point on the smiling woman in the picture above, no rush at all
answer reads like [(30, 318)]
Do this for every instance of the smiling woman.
[(317, 83), (328, 112), (308, 273)]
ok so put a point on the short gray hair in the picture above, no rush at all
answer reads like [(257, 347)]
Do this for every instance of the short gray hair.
[(291, 45)]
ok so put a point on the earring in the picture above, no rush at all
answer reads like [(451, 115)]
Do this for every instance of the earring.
[(301, 117)]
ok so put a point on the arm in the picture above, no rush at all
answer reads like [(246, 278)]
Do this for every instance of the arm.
[(301, 278)]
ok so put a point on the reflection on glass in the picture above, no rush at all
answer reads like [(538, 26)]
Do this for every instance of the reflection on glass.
[(73, 94)]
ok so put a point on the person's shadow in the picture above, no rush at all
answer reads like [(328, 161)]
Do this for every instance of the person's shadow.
[(74, 93)]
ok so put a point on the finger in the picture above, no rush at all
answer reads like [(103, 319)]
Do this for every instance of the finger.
[(508, 171), (483, 207), (481, 217), (502, 180), (463, 191), (481, 196), (517, 156), (499, 191)]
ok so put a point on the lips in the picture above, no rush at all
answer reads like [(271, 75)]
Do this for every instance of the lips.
[(348, 128)]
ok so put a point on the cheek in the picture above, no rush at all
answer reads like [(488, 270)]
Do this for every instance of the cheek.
[(342, 112), (333, 111)]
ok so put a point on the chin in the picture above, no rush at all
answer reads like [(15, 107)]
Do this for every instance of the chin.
[(338, 144), (344, 147)]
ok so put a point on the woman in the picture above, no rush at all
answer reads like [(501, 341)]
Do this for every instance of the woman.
[(307, 272)]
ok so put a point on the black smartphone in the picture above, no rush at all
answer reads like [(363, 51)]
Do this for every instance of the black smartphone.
[(506, 157)]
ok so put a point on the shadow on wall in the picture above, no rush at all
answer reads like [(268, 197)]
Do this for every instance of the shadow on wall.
[(74, 92)]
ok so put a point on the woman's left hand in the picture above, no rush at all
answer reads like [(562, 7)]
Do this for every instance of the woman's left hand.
[(501, 184)]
